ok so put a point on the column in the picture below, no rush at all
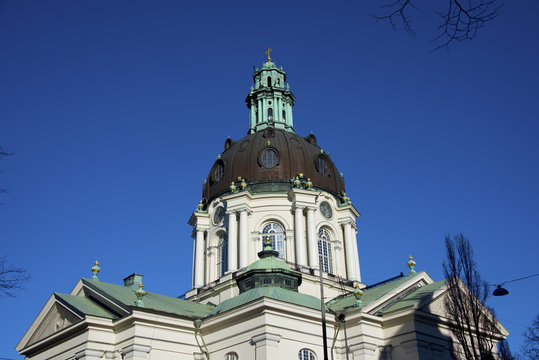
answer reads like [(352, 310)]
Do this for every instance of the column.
[(312, 239), (259, 111), (349, 251), (252, 114), (299, 237), (199, 258), (356, 255), (244, 239), (232, 242)]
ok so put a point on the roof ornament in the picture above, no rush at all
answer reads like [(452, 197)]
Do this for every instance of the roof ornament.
[(268, 52), (357, 293), (267, 243), (411, 265), (200, 206), (140, 294), (243, 184), (95, 270), (309, 184)]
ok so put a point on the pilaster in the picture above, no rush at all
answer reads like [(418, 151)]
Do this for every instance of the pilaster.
[(266, 346)]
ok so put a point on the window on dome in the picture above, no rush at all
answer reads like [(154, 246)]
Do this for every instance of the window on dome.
[(270, 114), (231, 356), (219, 171), (269, 158), (267, 281), (276, 234), (222, 260), (306, 354), (322, 166), (269, 81), (324, 250), (284, 115)]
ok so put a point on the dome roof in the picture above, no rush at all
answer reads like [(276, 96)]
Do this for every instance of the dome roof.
[(272, 156)]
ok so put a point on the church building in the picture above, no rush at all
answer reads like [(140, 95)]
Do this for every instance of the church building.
[(275, 256)]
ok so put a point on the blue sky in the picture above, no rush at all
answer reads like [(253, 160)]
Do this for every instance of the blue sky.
[(115, 112)]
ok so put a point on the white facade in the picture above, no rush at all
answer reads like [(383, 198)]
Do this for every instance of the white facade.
[(298, 214)]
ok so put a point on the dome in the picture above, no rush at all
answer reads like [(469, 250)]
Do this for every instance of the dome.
[(268, 161)]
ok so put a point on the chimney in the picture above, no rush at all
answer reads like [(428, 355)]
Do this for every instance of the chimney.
[(133, 281)]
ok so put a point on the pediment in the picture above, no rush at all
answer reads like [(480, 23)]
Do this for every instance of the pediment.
[(58, 318)]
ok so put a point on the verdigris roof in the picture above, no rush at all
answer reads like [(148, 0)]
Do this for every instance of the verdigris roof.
[(83, 306), (269, 264), (418, 295), (126, 296), (369, 295), (276, 293)]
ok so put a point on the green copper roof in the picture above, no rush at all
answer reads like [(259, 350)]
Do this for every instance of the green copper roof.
[(83, 306), (369, 296), (168, 304), (269, 263), (269, 292), (420, 294)]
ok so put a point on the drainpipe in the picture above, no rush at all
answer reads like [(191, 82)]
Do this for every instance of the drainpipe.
[(197, 324)]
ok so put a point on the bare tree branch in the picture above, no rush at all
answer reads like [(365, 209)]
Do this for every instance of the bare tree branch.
[(399, 10), (530, 349), (471, 322), (461, 21), (12, 278)]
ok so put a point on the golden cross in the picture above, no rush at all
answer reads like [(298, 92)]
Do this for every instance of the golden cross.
[(268, 53)]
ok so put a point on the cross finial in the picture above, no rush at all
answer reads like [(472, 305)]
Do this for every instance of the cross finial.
[(268, 52)]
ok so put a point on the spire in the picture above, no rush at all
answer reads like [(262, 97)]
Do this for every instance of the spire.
[(270, 101)]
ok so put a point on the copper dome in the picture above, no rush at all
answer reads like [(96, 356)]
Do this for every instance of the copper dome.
[(269, 159)]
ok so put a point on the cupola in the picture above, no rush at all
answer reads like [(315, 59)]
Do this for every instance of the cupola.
[(270, 101)]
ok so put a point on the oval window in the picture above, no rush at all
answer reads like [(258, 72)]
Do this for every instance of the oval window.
[(269, 158), (325, 209), (218, 215)]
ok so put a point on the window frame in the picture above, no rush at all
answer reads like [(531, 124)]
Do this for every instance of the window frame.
[(222, 257), (277, 238), (306, 354), (324, 245)]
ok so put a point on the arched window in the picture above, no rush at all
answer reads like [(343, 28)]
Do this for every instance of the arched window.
[(322, 166), (269, 81), (222, 260), (284, 115), (270, 114), (219, 171), (306, 354), (231, 356), (324, 250), (276, 234)]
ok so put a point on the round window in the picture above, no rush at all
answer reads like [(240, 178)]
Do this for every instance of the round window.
[(325, 209), (269, 158), (218, 215), (219, 171)]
